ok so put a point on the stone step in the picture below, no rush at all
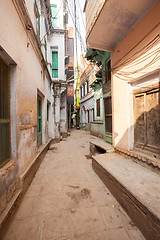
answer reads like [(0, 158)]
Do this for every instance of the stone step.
[(136, 188), (98, 145)]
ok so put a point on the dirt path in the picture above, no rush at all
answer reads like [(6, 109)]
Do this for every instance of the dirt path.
[(68, 201)]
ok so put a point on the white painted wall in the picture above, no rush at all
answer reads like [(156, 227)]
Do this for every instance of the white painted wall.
[(57, 40), (60, 14)]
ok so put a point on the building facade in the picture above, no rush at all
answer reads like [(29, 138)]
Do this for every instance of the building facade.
[(33, 103), (133, 40), (58, 48), (70, 75), (101, 84), (86, 94)]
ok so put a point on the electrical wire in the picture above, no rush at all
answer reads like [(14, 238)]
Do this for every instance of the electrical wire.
[(81, 14), (79, 35), (82, 44)]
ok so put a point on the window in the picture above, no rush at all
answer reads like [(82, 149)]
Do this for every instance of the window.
[(5, 151), (54, 15), (55, 64), (87, 86), (88, 117), (36, 11), (48, 112), (108, 71), (45, 42), (98, 107), (108, 114), (83, 90), (70, 47), (39, 120)]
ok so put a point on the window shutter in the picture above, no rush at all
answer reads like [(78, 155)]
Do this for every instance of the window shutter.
[(55, 64), (54, 13)]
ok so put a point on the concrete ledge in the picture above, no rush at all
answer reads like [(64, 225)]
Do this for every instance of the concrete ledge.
[(98, 145), (27, 176), (136, 188), (10, 207), (25, 179)]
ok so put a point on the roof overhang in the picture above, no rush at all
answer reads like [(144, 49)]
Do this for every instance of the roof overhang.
[(115, 20)]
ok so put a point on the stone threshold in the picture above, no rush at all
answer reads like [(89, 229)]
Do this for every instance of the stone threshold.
[(135, 187), (25, 180), (142, 155)]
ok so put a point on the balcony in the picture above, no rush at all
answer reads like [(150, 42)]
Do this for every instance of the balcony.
[(109, 21)]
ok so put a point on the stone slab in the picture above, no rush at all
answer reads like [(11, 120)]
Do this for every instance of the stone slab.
[(97, 142), (135, 187)]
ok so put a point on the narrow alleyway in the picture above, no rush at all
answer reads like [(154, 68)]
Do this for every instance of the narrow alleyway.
[(67, 200)]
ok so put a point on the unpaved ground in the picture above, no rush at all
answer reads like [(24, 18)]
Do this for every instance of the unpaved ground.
[(67, 200)]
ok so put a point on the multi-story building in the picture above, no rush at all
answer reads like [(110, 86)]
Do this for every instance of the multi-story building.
[(102, 124), (58, 60), (33, 106), (70, 75), (86, 94), (130, 32)]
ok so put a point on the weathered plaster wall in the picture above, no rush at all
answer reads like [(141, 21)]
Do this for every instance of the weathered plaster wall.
[(30, 8), (97, 129), (27, 78)]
